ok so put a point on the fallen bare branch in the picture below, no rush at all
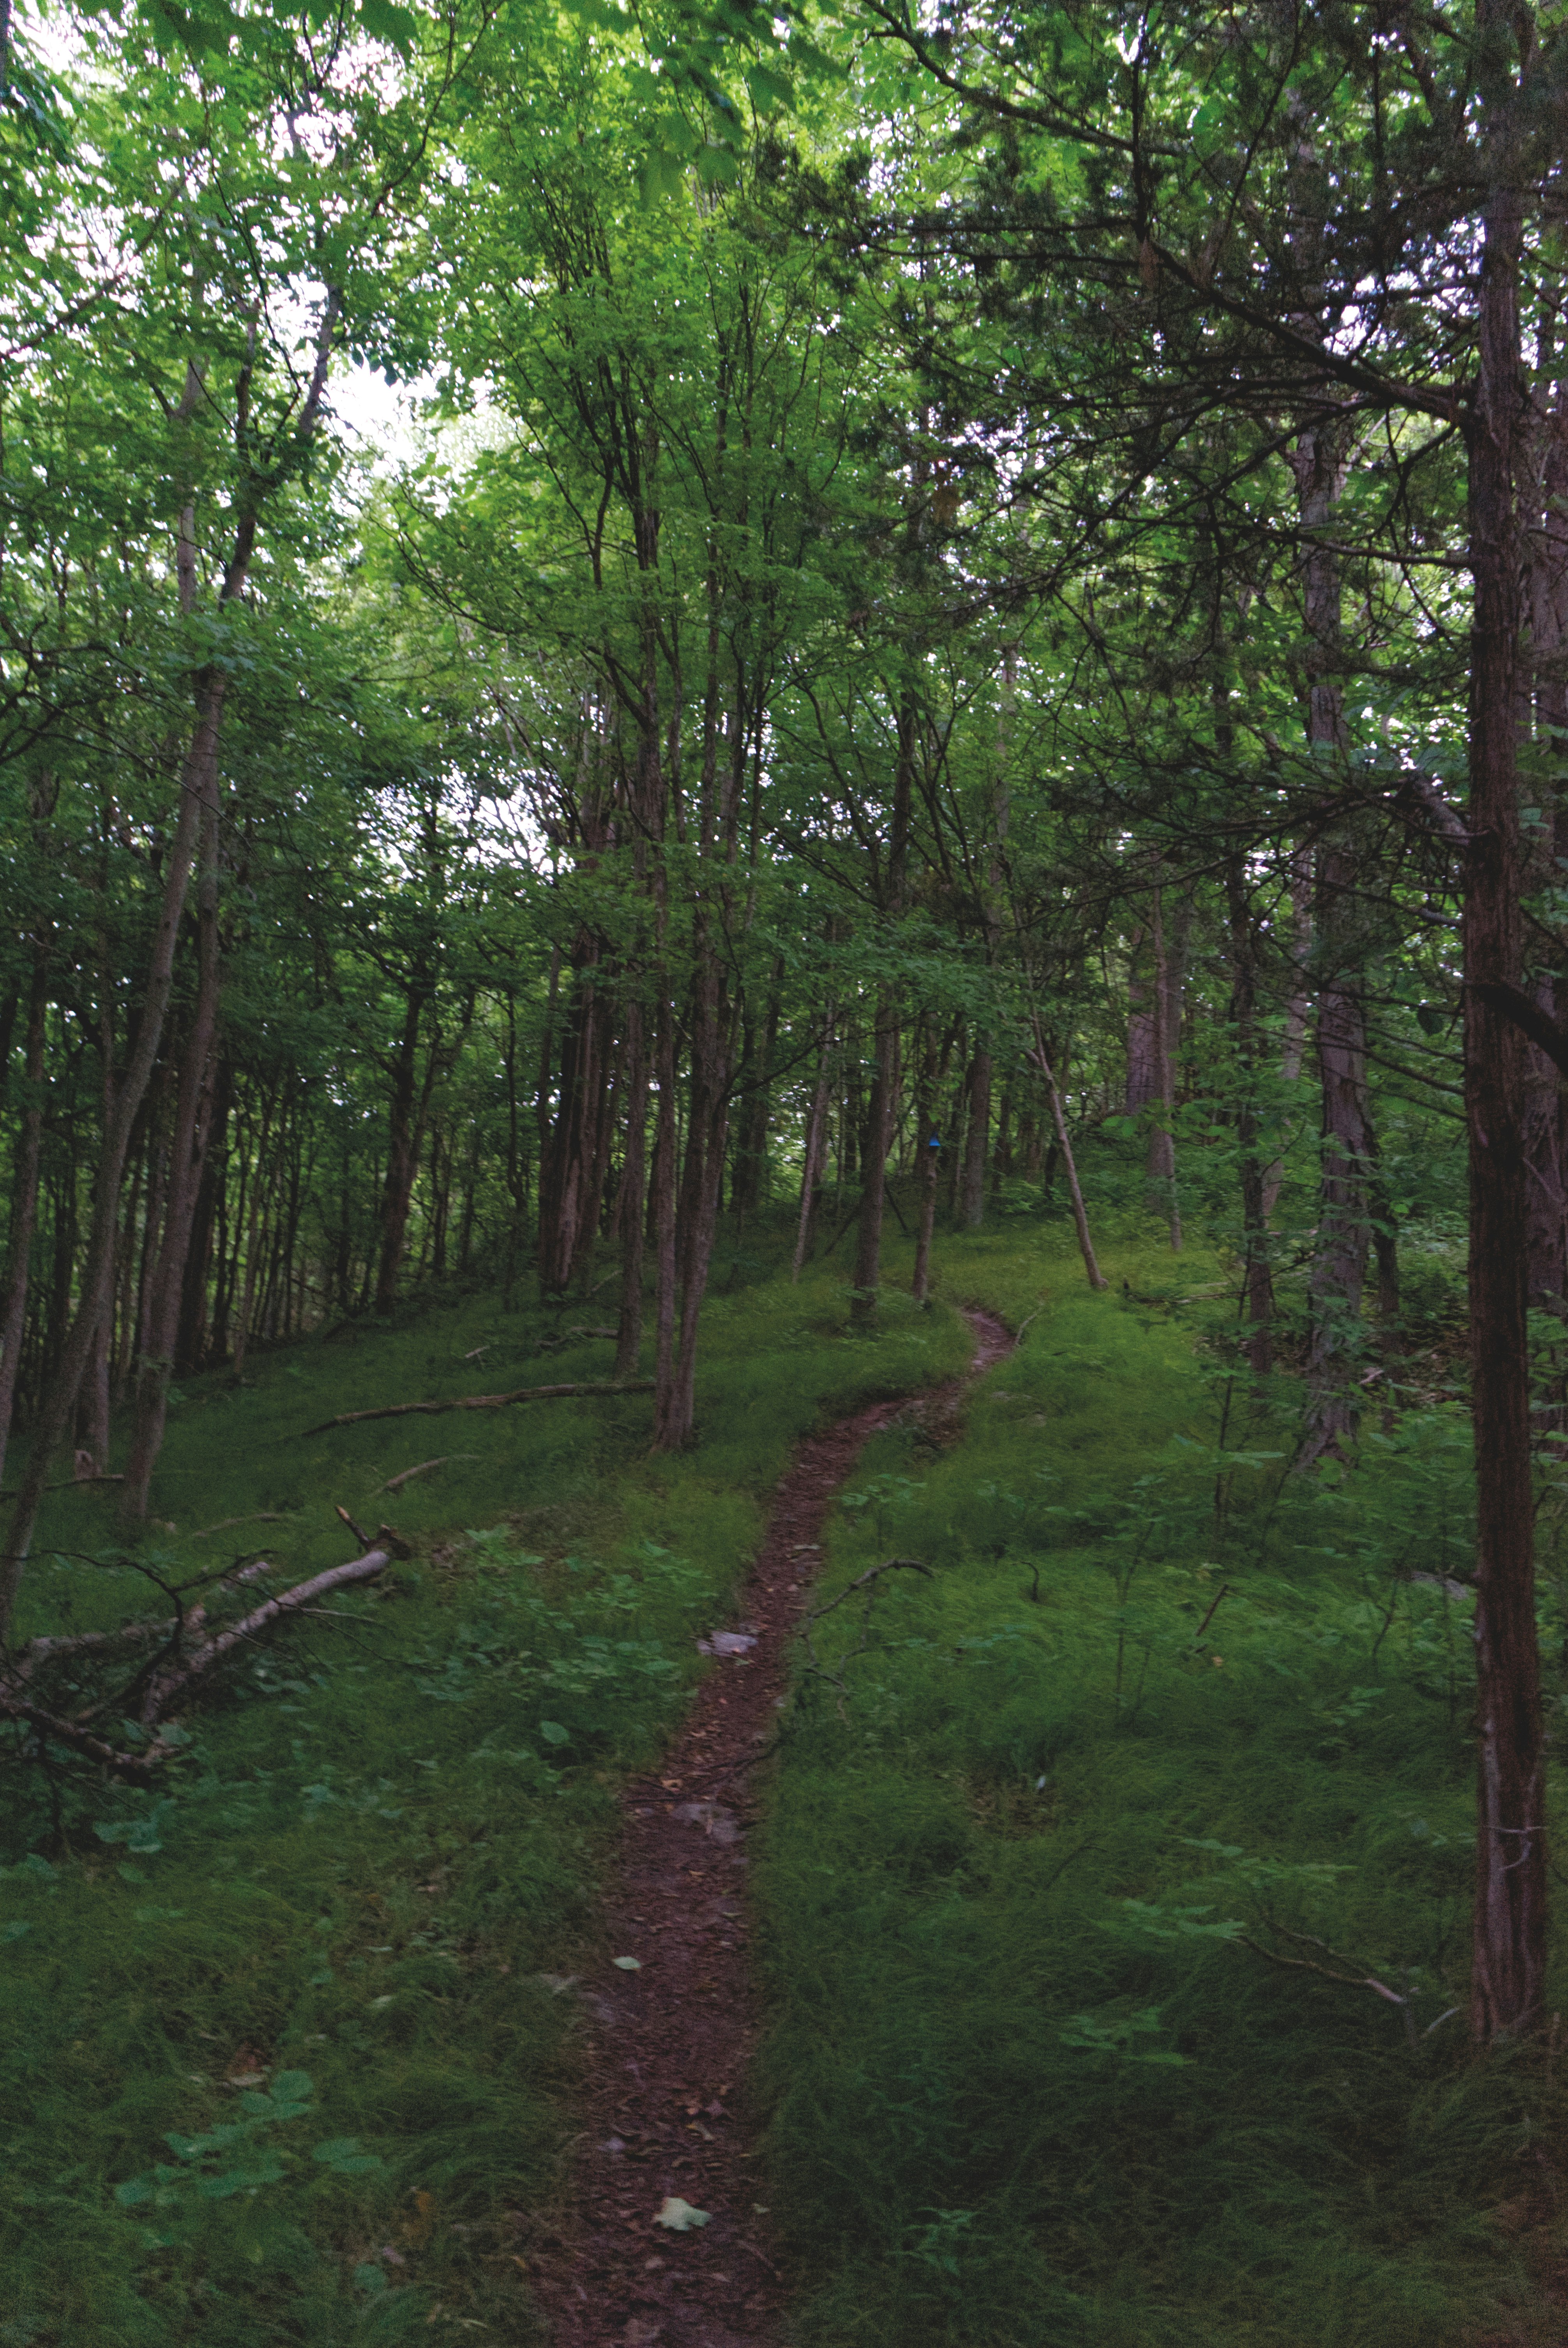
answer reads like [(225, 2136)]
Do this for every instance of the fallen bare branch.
[(397, 1483), (27, 1659), (167, 1684), (71, 1484), (480, 1402), (268, 1517), (71, 1734)]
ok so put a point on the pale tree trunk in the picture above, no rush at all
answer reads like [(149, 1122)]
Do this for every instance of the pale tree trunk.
[(1507, 1976), (879, 1123), (815, 1156), (1096, 1278)]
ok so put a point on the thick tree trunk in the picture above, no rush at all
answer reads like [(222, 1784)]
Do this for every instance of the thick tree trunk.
[(1508, 1977)]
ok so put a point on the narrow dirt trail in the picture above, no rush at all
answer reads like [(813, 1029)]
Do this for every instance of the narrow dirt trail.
[(669, 2045)]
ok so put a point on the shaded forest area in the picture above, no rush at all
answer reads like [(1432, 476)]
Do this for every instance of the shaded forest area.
[(964, 619)]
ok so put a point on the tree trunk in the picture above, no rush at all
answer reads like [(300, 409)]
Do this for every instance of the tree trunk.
[(1507, 1976), (25, 1197), (1257, 1277), (815, 1156), (633, 1202), (928, 1142), (188, 1157), (977, 1140)]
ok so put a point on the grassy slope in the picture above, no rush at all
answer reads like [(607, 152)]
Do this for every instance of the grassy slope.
[(377, 1846), (377, 1851), (1011, 2106)]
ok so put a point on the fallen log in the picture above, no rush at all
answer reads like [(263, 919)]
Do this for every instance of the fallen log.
[(18, 1704), (479, 1402), (165, 1685)]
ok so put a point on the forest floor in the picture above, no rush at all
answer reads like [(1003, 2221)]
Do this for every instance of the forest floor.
[(315, 2043), (668, 2108)]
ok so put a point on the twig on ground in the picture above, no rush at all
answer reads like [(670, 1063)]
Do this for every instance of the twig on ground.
[(867, 1581), (224, 1524), (397, 1483)]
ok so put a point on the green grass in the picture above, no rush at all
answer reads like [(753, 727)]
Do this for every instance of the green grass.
[(1030, 2085), (384, 1838)]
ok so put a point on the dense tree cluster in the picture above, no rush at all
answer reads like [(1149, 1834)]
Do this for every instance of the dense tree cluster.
[(1000, 575)]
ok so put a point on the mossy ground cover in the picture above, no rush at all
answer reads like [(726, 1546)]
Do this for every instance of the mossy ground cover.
[(1034, 2081), (284, 2053)]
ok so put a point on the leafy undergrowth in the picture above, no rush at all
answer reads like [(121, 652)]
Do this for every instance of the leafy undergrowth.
[(1057, 1833), (284, 2056)]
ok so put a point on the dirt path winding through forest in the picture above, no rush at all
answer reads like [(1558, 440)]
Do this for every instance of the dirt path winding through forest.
[(669, 2045)]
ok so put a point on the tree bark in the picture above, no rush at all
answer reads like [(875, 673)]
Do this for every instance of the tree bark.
[(25, 1197), (1507, 1976)]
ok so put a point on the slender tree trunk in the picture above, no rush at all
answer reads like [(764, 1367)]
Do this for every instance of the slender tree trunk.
[(977, 1140), (815, 1158), (25, 1197), (1064, 1144), (1507, 1975), (1257, 1277), (1298, 1008), (188, 1156), (873, 1165), (928, 1142), (98, 1271), (633, 1202)]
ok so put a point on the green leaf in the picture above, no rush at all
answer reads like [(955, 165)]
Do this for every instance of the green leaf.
[(554, 1733), (384, 20)]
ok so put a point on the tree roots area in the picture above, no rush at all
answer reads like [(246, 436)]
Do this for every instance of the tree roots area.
[(977, 1850)]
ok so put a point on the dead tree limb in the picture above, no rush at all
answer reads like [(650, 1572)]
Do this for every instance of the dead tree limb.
[(169, 1676), (166, 1685), (397, 1483), (479, 1402)]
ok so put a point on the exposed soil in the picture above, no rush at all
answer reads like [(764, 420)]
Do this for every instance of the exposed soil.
[(668, 2045)]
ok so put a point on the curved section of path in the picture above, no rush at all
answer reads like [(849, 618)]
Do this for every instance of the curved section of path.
[(669, 2045)]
